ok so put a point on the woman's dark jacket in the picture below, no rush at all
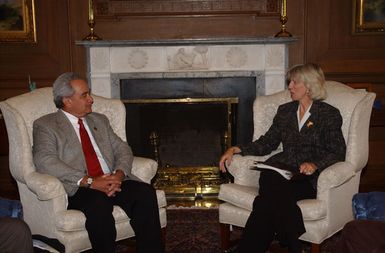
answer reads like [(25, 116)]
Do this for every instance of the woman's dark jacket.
[(320, 140)]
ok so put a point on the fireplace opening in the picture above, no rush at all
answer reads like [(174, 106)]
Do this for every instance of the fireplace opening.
[(185, 125), (186, 137)]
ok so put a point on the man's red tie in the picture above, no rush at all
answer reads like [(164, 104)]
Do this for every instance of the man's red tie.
[(93, 165)]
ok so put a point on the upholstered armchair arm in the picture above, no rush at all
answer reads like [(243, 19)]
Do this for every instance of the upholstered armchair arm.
[(334, 176), (144, 168), (45, 186), (240, 169)]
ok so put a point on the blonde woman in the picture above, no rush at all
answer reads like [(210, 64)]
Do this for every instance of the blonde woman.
[(310, 132)]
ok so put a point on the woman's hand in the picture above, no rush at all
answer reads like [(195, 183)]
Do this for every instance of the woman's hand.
[(307, 168), (227, 157)]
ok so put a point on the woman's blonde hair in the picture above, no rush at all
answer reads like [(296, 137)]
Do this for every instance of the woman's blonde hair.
[(312, 76)]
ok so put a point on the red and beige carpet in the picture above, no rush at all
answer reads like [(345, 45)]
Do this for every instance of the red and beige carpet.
[(193, 230)]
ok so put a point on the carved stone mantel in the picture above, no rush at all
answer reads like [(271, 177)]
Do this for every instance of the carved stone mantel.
[(108, 62)]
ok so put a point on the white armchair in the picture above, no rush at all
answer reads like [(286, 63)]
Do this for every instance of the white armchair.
[(43, 197), (328, 213)]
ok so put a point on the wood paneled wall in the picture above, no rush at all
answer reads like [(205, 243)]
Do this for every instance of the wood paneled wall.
[(323, 29), (343, 56), (43, 60)]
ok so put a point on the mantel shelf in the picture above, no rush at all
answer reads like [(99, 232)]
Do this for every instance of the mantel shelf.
[(185, 42)]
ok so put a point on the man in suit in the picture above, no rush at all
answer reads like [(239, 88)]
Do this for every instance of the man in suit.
[(79, 147)]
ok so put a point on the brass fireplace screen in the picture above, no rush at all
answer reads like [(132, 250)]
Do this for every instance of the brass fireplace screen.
[(186, 136)]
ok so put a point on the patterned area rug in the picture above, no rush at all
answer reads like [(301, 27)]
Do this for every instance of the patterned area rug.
[(192, 230), (197, 231)]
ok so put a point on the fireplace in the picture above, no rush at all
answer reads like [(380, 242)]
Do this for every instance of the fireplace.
[(186, 124), (186, 137), (150, 74)]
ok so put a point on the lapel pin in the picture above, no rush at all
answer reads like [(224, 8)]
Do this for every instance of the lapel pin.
[(309, 124)]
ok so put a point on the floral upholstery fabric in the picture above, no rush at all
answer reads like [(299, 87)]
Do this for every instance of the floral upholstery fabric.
[(43, 197), (328, 213)]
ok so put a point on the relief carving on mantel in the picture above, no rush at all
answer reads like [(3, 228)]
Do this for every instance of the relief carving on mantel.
[(118, 8), (193, 59)]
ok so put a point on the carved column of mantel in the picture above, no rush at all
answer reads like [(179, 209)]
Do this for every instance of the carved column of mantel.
[(109, 61)]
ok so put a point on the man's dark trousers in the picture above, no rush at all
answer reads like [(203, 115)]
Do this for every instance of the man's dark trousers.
[(137, 199)]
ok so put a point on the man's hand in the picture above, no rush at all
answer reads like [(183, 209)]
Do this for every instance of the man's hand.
[(118, 176), (108, 183)]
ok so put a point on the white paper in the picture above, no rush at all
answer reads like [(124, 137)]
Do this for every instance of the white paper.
[(286, 174), (41, 245)]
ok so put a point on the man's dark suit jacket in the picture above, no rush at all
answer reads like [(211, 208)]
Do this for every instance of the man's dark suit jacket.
[(320, 140)]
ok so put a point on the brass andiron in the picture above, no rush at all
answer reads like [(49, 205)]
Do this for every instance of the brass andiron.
[(154, 141), (283, 19), (225, 143), (91, 23)]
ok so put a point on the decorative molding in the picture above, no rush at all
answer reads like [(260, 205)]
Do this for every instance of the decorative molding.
[(117, 8), (274, 56), (236, 57), (209, 58), (100, 59), (138, 59)]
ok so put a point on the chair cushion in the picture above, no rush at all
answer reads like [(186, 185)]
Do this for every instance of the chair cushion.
[(243, 197), (312, 209), (238, 195), (369, 206), (74, 220)]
